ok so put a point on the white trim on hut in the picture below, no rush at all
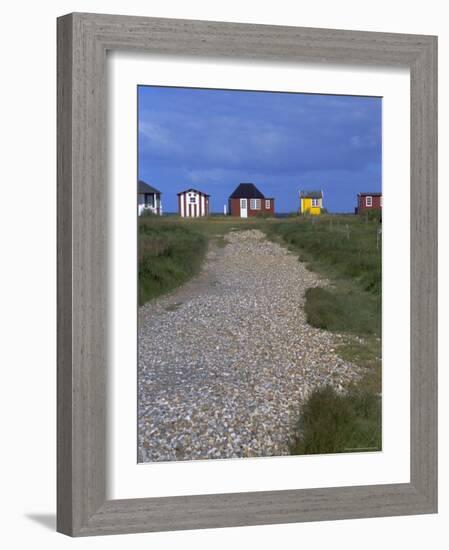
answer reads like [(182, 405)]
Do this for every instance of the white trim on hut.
[(193, 204)]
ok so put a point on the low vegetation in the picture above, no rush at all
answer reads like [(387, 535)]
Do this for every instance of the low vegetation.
[(169, 255), (347, 250), (343, 309), (171, 249), (336, 423)]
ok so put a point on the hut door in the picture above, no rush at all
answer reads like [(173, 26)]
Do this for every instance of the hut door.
[(243, 208)]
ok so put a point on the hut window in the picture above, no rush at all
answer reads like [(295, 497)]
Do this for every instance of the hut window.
[(369, 201), (192, 199), (267, 204), (315, 202), (254, 204)]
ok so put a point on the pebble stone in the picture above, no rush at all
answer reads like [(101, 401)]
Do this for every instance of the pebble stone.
[(226, 361)]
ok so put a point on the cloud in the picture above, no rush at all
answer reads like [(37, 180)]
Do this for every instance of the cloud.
[(218, 141), (157, 137)]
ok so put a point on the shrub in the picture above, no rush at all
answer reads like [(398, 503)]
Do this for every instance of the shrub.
[(332, 422)]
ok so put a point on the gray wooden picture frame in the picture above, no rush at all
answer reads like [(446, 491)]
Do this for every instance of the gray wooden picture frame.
[(83, 40)]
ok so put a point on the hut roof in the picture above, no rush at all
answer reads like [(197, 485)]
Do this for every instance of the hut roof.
[(311, 194), (194, 190), (247, 191), (144, 188)]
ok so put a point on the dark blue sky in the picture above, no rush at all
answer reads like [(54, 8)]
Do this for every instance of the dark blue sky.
[(213, 140)]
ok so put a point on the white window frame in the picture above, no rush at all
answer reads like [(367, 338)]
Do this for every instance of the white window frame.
[(315, 202), (267, 204), (369, 201), (255, 204)]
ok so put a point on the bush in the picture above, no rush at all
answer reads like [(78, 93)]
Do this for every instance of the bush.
[(335, 423)]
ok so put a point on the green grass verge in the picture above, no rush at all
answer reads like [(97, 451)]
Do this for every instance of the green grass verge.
[(171, 249), (343, 310), (367, 354), (169, 255), (347, 251), (334, 423), (345, 248)]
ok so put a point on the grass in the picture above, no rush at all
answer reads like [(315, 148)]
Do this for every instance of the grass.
[(171, 249), (366, 353), (345, 248), (169, 255), (335, 423), (347, 251), (343, 309)]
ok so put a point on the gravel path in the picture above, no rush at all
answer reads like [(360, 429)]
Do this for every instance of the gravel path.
[(226, 360)]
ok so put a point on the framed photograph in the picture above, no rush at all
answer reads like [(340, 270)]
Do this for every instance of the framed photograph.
[(247, 274)]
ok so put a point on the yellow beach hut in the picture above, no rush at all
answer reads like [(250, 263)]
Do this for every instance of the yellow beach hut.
[(311, 202)]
